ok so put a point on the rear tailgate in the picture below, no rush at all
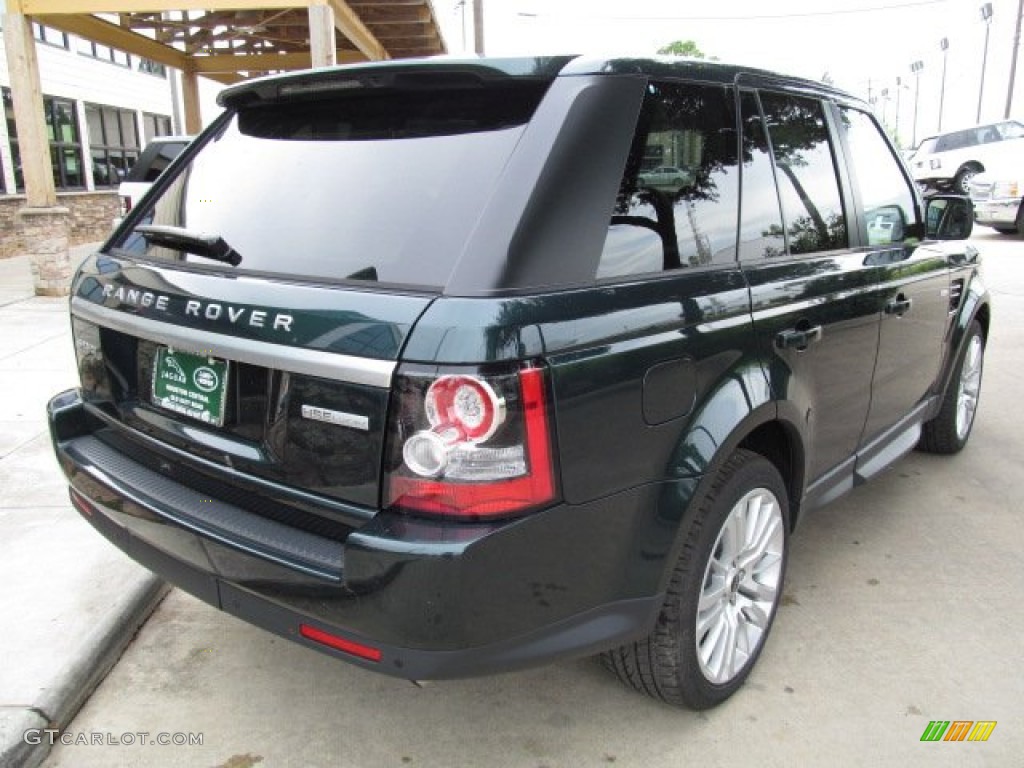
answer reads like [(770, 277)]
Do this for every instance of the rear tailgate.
[(268, 380)]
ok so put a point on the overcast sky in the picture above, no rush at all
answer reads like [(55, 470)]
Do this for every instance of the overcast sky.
[(861, 44)]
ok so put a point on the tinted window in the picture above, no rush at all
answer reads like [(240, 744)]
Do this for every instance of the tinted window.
[(885, 195), (805, 169), (1011, 130), (677, 204), (761, 234), (956, 140), (383, 188)]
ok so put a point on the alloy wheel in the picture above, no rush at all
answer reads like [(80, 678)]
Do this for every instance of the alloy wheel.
[(741, 586)]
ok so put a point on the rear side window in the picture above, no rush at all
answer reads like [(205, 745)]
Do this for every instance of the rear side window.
[(806, 172), (956, 140), (375, 187), (677, 204), (885, 194)]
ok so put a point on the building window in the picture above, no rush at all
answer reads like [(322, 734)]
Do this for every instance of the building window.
[(152, 68), (12, 133), (104, 53), (50, 36), (156, 125), (65, 142), (113, 143)]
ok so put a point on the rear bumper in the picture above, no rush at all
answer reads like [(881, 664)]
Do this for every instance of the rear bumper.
[(431, 599), (999, 212)]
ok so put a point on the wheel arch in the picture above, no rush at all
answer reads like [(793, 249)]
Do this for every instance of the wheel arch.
[(780, 443)]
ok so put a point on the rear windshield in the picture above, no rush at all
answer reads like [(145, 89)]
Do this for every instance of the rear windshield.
[(375, 187)]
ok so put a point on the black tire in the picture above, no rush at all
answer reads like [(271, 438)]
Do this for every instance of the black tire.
[(962, 180), (949, 432), (667, 665)]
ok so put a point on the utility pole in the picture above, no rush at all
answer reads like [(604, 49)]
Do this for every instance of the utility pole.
[(1013, 61), (986, 16), (896, 129), (478, 25), (944, 46), (916, 68)]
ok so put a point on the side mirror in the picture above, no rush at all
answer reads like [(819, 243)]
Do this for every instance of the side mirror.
[(948, 217)]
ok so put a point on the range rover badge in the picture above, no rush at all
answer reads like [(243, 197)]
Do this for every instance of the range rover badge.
[(342, 419)]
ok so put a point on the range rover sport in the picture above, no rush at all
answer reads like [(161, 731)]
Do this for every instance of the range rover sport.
[(404, 362)]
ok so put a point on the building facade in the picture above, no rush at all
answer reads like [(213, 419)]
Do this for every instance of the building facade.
[(101, 106)]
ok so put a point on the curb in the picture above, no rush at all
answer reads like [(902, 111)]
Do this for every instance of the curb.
[(60, 701)]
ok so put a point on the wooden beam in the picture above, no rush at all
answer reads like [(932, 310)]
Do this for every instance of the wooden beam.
[(399, 15), (43, 7), (406, 43), (104, 32), (190, 97), (27, 96), (385, 3), (412, 29), (321, 36), (351, 26), (261, 62)]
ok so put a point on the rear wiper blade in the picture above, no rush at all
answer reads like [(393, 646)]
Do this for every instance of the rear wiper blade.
[(197, 243)]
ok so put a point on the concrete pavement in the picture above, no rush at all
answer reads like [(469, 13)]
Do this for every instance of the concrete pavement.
[(70, 601)]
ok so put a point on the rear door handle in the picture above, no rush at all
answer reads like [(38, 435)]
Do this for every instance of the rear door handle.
[(798, 339), (898, 306)]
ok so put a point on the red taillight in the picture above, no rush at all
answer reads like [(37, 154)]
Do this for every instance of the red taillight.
[(339, 643), (484, 451), (466, 404), (126, 205)]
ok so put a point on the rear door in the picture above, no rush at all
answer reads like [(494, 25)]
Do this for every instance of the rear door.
[(813, 295)]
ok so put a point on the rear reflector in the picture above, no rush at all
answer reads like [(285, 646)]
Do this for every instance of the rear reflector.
[(339, 643), (80, 503)]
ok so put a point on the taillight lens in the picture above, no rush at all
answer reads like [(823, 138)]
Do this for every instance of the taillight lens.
[(470, 445), (126, 205)]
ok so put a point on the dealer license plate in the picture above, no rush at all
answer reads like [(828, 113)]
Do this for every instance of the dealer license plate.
[(191, 385)]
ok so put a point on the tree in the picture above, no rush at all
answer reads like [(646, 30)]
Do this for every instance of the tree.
[(683, 48)]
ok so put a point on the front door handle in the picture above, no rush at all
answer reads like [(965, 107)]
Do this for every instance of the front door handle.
[(798, 338), (898, 306)]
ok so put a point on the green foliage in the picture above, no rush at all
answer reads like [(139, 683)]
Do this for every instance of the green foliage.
[(683, 48)]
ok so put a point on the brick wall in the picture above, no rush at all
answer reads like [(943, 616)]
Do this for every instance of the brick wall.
[(91, 217)]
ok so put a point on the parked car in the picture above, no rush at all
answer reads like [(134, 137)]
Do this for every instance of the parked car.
[(443, 389), (153, 161), (665, 176), (951, 160), (997, 198)]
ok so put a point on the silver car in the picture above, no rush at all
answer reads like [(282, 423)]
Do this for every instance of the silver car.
[(665, 176), (997, 199)]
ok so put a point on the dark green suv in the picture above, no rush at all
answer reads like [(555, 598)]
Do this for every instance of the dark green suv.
[(407, 363)]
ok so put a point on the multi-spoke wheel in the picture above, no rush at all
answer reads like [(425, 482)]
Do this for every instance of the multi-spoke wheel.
[(723, 593), (949, 430), (741, 586)]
